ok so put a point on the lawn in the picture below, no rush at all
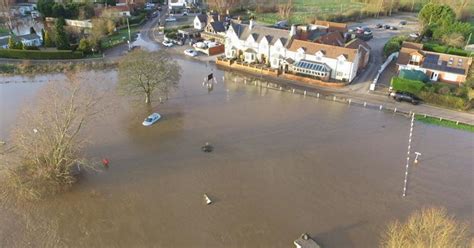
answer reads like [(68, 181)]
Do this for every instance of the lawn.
[(444, 123), (119, 37), (305, 10)]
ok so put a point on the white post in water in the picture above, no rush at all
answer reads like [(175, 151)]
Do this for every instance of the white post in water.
[(416, 157), (408, 155)]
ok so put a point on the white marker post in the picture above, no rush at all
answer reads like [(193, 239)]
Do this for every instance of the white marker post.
[(408, 155), (416, 158)]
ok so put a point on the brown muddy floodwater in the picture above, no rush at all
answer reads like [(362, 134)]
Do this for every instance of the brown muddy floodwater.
[(282, 165)]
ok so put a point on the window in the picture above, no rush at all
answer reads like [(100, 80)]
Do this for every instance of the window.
[(339, 74)]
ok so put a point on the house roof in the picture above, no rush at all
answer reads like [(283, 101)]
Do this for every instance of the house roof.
[(243, 31), (355, 43), (202, 18), (434, 61), (328, 50), (332, 26), (333, 38), (218, 26)]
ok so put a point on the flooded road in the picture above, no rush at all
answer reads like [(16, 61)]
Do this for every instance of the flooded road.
[(282, 165)]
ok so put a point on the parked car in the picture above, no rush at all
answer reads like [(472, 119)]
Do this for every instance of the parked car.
[(386, 26), (200, 45), (185, 13), (403, 23), (170, 19), (151, 119), (393, 28), (406, 97), (167, 43), (379, 25), (190, 52), (414, 35)]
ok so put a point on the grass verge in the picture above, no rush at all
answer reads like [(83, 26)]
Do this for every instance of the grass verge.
[(444, 123)]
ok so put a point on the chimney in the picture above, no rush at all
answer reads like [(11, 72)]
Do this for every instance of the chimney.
[(293, 31), (251, 24)]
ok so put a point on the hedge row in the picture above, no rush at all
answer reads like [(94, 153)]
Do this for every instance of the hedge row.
[(33, 54), (443, 100), (407, 85)]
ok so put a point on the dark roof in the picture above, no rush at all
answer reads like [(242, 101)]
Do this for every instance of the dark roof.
[(243, 31), (218, 26), (314, 66), (202, 18), (433, 62)]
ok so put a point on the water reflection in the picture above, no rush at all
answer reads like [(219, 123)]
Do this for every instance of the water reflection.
[(283, 164)]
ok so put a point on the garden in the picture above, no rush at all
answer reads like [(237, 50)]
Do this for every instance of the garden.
[(440, 94)]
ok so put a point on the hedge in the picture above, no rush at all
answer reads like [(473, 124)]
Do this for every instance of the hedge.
[(407, 85), (393, 45), (33, 54)]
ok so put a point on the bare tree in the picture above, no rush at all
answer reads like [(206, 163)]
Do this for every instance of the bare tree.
[(454, 40), (48, 140), (285, 10), (222, 6), (5, 11), (430, 227), (144, 73)]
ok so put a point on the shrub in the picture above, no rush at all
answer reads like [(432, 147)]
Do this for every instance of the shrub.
[(393, 45), (444, 90), (444, 100), (407, 85), (31, 54)]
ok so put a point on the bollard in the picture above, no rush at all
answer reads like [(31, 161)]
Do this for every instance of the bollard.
[(280, 87), (245, 81), (317, 95), (365, 104), (457, 122), (395, 110), (350, 100), (334, 98), (223, 78), (424, 115), (440, 119), (293, 91), (381, 107), (304, 93)]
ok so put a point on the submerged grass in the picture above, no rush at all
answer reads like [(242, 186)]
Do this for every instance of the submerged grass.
[(444, 123)]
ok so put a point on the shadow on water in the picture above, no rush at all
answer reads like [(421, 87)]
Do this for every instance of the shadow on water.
[(339, 236)]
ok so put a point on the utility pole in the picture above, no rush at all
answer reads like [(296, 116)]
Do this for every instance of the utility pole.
[(408, 156), (129, 36)]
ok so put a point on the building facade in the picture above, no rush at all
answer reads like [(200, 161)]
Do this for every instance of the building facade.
[(437, 66), (284, 50)]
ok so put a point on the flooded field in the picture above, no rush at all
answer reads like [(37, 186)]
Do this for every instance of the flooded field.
[(282, 165)]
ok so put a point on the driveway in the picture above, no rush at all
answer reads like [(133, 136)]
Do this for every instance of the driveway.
[(381, 36)]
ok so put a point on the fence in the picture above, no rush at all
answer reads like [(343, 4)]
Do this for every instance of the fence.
[(342, 99), (382, 68)]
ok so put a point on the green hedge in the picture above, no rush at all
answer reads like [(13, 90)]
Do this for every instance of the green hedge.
[(407, 85), (393, 45), (33, 54), (434, 47)]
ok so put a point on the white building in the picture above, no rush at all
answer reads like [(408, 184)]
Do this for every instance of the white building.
[(281, 49)]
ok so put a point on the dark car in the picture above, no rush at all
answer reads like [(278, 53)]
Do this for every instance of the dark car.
[(393, 28), (379, 25), (386, 26), (406, 97), (403, 23)]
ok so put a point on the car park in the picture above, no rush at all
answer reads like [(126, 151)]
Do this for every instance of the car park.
[(405, 97)]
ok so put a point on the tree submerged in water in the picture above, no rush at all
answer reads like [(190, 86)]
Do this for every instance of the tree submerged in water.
[(146, 73), (47, 142), (430, 227)]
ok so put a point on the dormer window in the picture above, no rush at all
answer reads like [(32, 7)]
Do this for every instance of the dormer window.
[(341, 58), (301, 50)]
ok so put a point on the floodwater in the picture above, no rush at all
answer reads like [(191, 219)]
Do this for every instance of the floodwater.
[(282, 165)]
